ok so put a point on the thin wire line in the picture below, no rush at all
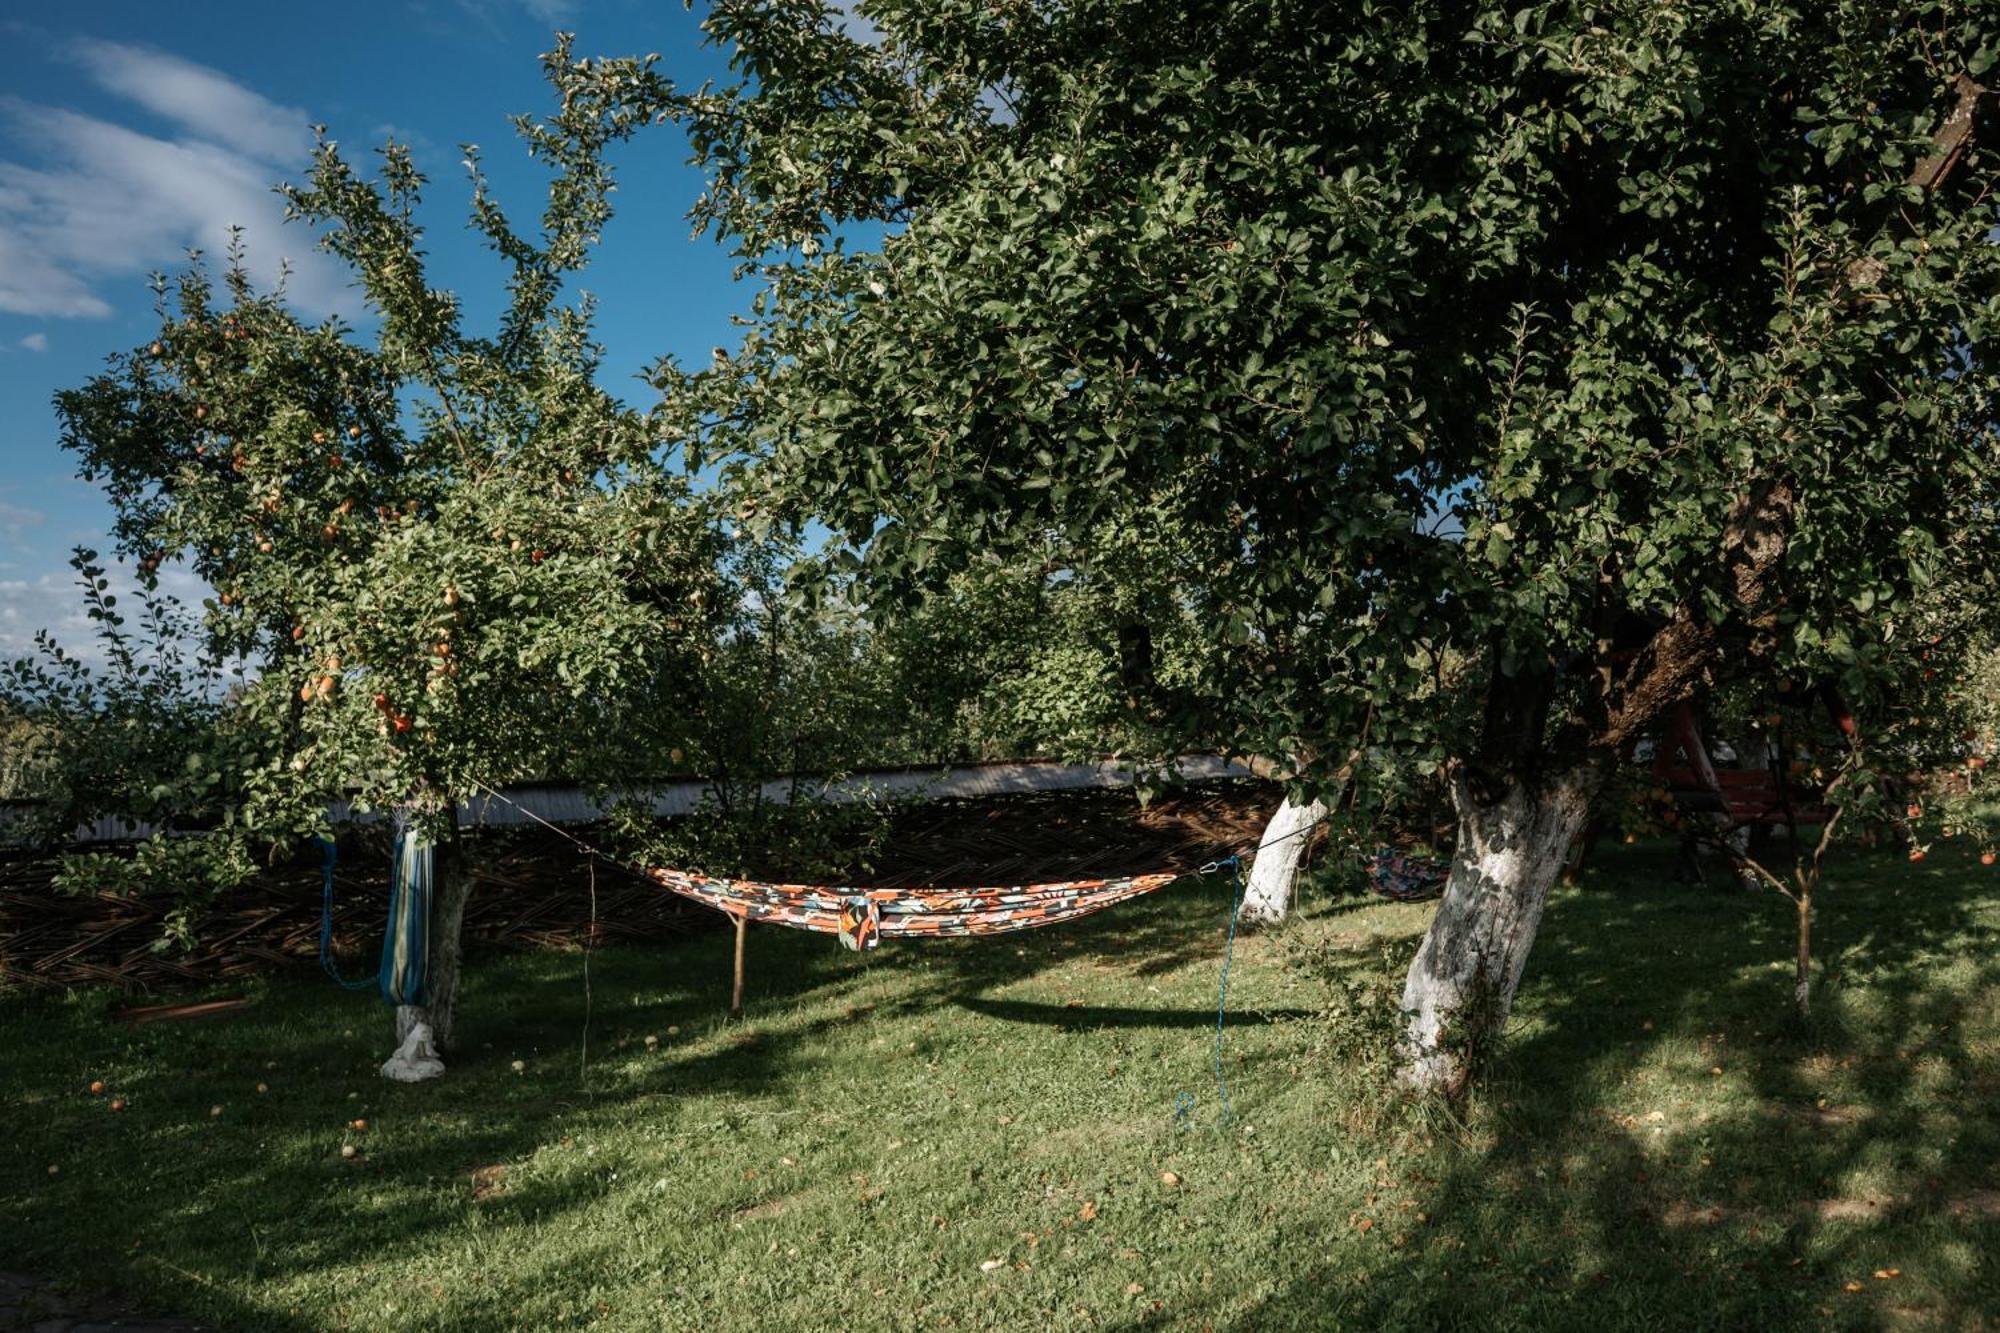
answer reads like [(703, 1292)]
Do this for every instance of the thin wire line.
[(555, 829), (589, 940), (1222, 997), (1207, 869)]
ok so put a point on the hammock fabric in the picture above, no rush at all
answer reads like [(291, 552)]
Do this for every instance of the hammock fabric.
[(406, 943), (1406, 879), (863, 917)]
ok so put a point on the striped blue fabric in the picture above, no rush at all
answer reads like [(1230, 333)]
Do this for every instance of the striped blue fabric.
[(406, 944)]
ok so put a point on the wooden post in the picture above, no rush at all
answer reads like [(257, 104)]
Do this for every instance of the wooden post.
[(736, 989)]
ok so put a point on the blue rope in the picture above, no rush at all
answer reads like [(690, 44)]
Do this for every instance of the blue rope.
[(328, 854), (1184, 1102), (1222, 997)]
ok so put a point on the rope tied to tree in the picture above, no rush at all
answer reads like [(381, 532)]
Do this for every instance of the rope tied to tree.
[(329, 855), (1184, 1101)]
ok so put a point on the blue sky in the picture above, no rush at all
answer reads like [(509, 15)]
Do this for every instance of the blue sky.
[(129, 132)]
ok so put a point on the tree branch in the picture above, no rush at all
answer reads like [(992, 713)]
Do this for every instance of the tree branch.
[(1672, 666)]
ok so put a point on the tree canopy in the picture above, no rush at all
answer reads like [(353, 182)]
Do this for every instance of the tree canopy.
[(451, 555), (449, 551), (1616, 348), (1563, 331)]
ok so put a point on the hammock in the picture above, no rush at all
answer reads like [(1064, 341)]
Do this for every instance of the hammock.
[(861, 917), (1406, 879)]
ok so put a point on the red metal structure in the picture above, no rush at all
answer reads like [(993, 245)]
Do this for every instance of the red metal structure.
[(1760, 796)]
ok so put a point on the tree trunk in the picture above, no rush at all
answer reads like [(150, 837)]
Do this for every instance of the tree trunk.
[(1275, 871), (1802, 987), (1511, 846), (451, 887)]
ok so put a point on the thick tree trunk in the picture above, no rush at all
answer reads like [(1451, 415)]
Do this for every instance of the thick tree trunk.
[(1275, 871), (451, 887), (1511, 847)]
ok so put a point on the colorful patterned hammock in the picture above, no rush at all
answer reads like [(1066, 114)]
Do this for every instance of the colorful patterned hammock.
[(861, 917), (1404, 878)]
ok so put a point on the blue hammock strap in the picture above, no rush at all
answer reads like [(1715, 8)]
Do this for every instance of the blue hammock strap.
[(329, 856), (406, 943), (1184, 1101)]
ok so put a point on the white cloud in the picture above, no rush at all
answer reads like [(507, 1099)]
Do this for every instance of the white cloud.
[(55, 603), (84, 200), (201, 100), (550, 11), (15, 520), (849, 19), (36, 342), (496, 15)]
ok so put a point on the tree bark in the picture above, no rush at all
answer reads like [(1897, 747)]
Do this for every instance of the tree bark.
[(451, 887), (1802, 986), (1274, 873), (1511, 846)]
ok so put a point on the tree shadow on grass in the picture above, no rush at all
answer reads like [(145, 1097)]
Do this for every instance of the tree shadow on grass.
[(1662, 1146), (1566, 1204), (261, 1192), (791, 972), (1077, 1016)]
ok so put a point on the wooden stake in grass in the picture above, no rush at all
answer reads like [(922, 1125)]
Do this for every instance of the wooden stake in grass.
[(736, 987)]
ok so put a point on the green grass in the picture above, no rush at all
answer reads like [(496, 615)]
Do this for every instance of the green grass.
[(1660, 1147)]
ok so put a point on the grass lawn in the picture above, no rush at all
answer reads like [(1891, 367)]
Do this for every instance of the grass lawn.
[(982, 1134)]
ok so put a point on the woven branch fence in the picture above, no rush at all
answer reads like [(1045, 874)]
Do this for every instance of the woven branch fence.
[(531, 889)]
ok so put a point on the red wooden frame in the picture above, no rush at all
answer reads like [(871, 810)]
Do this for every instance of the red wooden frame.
[(1743, 796)]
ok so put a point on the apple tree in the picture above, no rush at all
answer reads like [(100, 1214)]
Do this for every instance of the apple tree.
[(1613, 348), (448, 551)]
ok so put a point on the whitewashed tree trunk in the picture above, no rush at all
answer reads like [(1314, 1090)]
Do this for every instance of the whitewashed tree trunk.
[(451, 887), (1274, 874), (1462, 982)]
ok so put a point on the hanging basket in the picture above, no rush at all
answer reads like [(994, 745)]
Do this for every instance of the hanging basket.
[(1402, 878)]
